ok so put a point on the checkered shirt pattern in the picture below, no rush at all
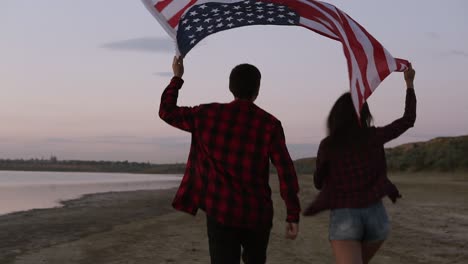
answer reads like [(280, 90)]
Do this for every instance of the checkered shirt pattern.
[(356, 176), (227, 172)]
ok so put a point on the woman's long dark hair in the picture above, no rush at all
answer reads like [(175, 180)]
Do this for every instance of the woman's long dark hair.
[(343, 124)]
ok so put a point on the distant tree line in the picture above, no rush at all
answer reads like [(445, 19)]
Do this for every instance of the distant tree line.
[(439, 154), (53, 164)]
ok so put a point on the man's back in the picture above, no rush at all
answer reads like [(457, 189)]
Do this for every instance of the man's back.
[(228, 168), (236, 141)]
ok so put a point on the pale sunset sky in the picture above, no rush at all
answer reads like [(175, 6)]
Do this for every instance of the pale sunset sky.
[(82, 79)]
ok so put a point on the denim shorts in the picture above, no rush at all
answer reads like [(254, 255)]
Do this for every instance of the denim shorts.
[(359, 224)]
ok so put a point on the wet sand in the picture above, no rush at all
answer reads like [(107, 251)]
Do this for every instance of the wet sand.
[(429, 225)]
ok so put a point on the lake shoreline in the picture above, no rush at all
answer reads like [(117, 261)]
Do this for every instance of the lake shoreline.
[(34, 229), (22, 191), (140, 227)]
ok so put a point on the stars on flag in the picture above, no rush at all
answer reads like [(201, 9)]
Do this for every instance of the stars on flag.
[(208, 18)]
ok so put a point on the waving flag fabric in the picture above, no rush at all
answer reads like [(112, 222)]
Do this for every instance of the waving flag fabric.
[(190, 21)]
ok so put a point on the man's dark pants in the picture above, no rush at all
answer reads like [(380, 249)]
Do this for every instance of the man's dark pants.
[(226, 242)]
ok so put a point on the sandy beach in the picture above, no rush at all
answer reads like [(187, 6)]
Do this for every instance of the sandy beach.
[(429, 225)]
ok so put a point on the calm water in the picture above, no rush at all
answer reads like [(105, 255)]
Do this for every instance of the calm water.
[(21, 190)]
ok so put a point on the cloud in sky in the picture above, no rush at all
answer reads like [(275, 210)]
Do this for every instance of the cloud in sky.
[(460, 53), (180, 143), (132, 148), (147, 44), (122, 140), (164, 74), (433, 35)]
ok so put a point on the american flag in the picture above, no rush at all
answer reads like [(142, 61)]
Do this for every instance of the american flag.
[(190, 21)]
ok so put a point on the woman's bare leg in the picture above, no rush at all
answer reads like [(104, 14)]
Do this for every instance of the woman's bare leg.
[(347, 251), (369, 249)]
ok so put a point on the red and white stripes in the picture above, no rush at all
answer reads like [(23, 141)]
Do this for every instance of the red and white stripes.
[(369, 63)]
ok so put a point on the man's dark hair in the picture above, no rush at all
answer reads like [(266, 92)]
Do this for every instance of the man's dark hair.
[(244, 81)]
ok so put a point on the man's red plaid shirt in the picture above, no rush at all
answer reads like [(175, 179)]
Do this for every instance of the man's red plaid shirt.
[(227, 171)]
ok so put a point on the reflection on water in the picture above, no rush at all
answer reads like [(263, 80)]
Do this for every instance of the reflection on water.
[(21, 191)]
